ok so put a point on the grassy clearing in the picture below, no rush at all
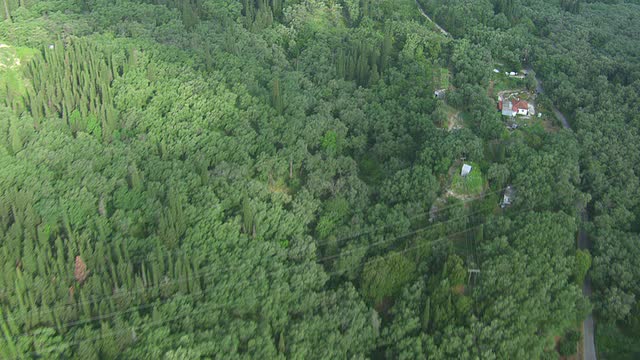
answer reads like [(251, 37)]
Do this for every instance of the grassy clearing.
[(444, 78), (502, 82), (25, 54), (11, 61), (472, 184), (441, 77), (12, 57)]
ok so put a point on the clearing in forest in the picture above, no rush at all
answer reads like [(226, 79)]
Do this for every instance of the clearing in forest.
[(11, 59), (501, 81), (465, 187), (441, 77), (454, 120)]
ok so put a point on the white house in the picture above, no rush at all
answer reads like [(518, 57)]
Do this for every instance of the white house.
[(521, 107), (513, 107)]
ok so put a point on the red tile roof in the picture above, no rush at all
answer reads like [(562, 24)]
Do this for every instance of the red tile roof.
[(520, 104)]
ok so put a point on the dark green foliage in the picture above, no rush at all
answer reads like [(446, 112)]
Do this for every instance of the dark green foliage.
[(569, 343), (616, 342), (360, 63), (270, 179), (572, 6)]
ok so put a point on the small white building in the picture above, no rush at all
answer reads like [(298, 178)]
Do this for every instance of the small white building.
[(466, 169), (440, 93), (507, 198)]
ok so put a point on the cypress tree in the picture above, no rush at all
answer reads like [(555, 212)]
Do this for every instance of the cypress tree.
[(426, 315), (340, 64), (20, 291), (387, 47), (85, 305), (129, 276), (72, 78), (373, 79), (281, 344), (247, 215), (363, 69), (276, 98), (15, 137), (8, 349)]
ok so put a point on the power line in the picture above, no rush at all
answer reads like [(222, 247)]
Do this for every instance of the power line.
[(319, 262), (323, 259), (217, 271), (201, 277), (135, 261), (330, 274), (171, 319)]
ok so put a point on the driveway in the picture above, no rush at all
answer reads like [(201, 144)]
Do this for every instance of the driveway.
[(560, 116), (431, 20)]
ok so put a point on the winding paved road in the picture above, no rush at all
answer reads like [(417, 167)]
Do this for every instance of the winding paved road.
[(589, 348), (560, 116), (588, 343)]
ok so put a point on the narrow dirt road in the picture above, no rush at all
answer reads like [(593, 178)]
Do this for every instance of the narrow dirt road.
[(431, 20)]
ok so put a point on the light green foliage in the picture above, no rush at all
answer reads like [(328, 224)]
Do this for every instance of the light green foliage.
[(443, 78), (70, 78), (498, 175), (416, 186), (13, 86), (454, 270), (502, 82), (330, 142), (582, 266), (353, 9), (384, 276)]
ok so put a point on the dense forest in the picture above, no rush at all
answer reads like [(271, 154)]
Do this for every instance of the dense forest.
[(275, 179)]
